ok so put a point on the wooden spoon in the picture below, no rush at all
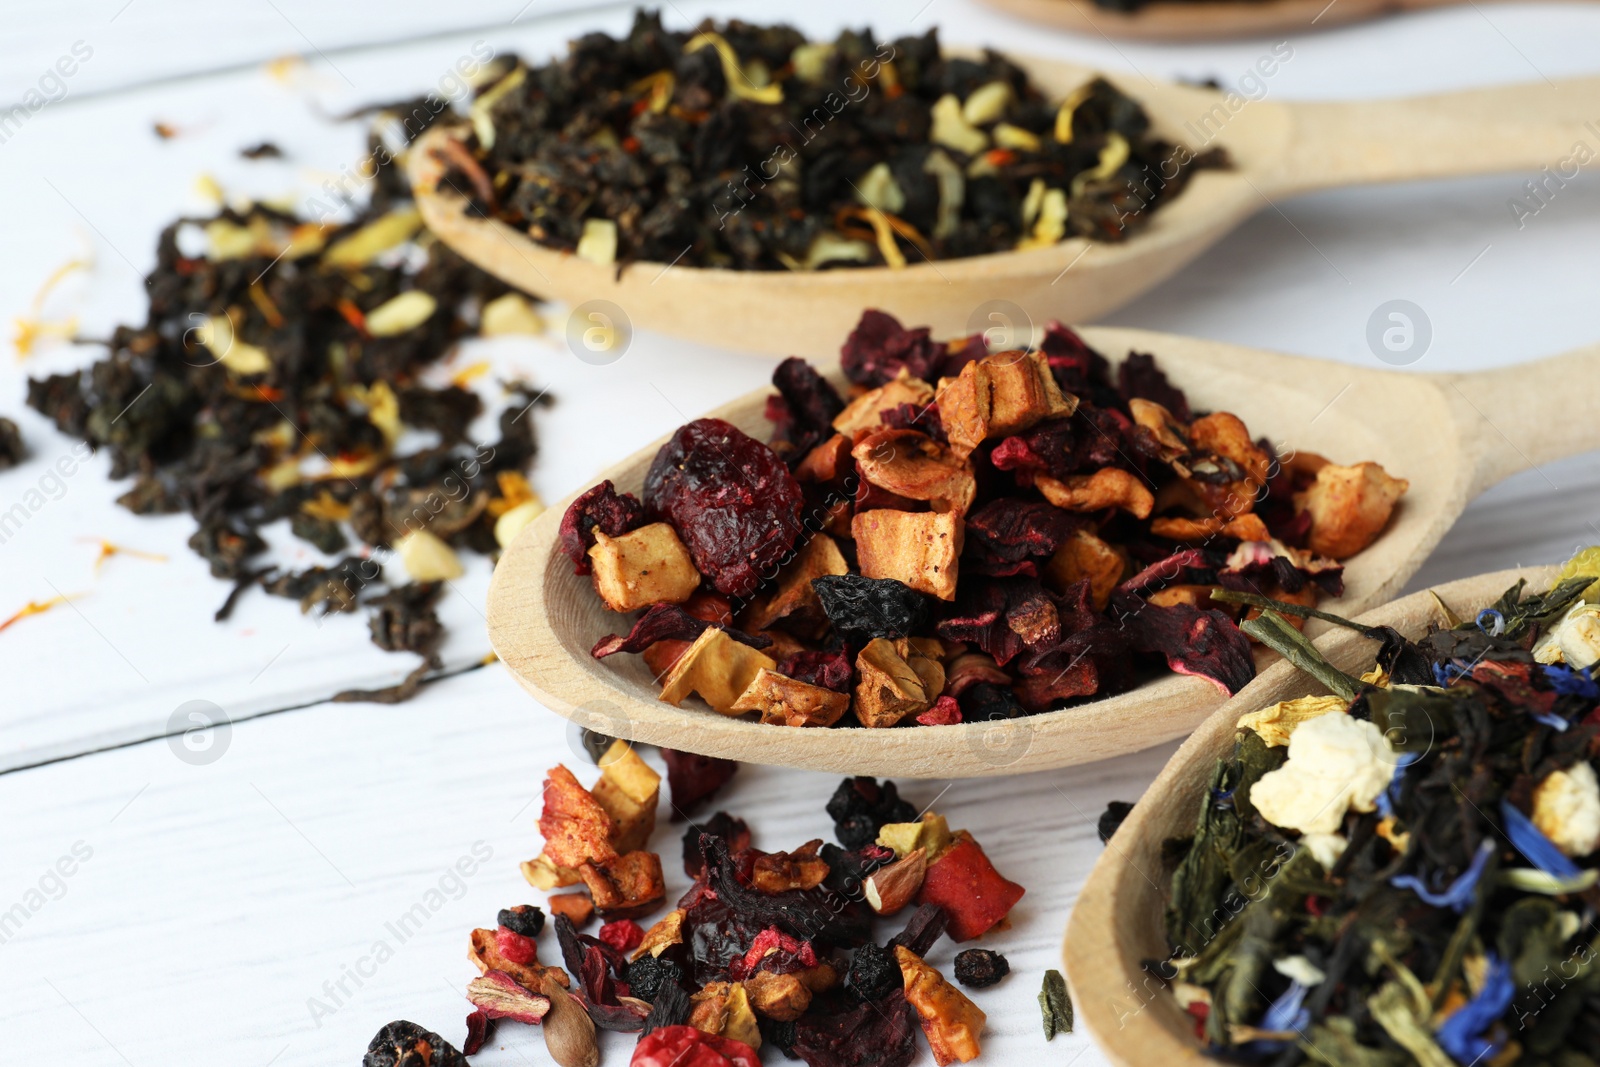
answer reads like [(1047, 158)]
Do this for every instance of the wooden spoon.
[(1451, 435), (1211, 20), (1117, 920), (1279, 149)]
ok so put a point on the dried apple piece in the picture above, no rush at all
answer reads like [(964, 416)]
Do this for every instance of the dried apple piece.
[(646, 566), (1349, 507), (919, 549), (1109, 487), (785, 701), (718, 668), (915, 466), (794, 603), (865, 412)]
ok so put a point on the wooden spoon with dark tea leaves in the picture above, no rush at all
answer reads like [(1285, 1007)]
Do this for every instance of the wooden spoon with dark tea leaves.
[(1452, 436), (1278, 150)]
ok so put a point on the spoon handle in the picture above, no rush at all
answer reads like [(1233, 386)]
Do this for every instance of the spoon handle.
[(1550, 130), (1521, 417)]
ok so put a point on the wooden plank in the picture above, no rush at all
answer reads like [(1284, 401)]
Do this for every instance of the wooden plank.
[(235, 890)]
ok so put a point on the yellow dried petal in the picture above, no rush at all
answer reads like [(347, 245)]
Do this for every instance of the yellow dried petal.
[(217, 334), (482, 123), (1008, 136), (987, 103), (952, 130), (400, 313), (1276, 723), (741, 83)]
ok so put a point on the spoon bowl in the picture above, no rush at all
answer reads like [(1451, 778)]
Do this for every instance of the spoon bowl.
[(1278, 149), (1117, 920), (1208, 20), (1433, 430)]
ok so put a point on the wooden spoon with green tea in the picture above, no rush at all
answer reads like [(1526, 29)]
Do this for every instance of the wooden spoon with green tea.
[(1451, 436), (1278, 149), (1117, 920)]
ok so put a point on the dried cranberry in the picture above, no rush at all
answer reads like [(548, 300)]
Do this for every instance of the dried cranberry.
[(731, 499), (525, 919), (600, 508), (873, 973), (684, 1046), (980, 968)]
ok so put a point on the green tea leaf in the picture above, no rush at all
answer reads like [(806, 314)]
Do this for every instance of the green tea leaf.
[(1272, 630), (1056, 1005)]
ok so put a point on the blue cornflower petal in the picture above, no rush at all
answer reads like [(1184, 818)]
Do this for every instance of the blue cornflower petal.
[(1496, 622), (1555, 722), (1446, 674), (1387, 799), (1462, 1034), (1569, 682), (1459, 893), (1536, 848), (1288, 1011)]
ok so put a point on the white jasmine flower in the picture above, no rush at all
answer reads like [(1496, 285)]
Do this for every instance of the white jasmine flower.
[(1336, 763), (1574, 641), (1300, 969), (1566, 809), (1325, 849)]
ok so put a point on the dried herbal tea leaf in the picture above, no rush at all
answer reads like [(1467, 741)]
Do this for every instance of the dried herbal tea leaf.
[(1055, 1005)]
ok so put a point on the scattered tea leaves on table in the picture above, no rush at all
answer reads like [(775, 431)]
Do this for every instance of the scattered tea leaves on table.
[(1055, 1005)]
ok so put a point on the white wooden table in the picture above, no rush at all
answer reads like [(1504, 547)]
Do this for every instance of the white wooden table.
[(231, 909)]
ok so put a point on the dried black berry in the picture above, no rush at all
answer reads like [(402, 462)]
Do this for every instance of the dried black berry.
[(647, 974), (671, 1009), (873, 973), (1111, 818), (780, 1035), (862, 608), (12, 450), (524, 919), (860, 807), (980, 968), (987, 702), (405, 1044)]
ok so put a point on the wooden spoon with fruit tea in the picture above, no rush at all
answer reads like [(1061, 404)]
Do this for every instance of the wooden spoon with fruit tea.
[(1278, 149), (1451, 435), (1117, 920)]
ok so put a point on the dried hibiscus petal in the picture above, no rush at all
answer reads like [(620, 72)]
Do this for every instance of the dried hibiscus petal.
[(879, 1033), (667, 622), (803, 410), (693, 779), (478, 1027), (1203, 642), (813, 914), (732, 830), (879, 347), (1013, 529), (731, 499), (1139, 376), (829, 669), (601, 508)]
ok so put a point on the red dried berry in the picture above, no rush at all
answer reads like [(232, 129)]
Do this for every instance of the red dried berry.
[(623, 935), (515, 947), (731, 499), (601, 508), (946, 711), (684, 1046)]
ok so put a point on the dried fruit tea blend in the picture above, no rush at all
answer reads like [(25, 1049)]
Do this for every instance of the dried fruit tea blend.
[(274, 378), (1405, 871), (962, 535), (749, 147), (778, 949)]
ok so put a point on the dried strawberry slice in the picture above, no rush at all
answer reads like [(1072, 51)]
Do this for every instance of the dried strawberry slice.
[(731, 499)]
